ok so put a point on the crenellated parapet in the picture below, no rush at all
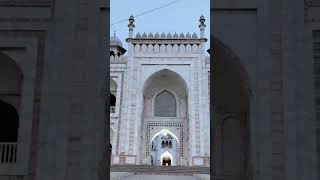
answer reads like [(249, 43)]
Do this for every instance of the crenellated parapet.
[(166, 43), (168, 36)]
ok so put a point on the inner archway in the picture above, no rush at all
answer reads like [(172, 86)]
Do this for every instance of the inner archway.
[(164, 145), (230, 97)]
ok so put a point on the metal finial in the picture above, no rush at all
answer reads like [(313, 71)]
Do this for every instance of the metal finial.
[(131, 21), (202, 20)]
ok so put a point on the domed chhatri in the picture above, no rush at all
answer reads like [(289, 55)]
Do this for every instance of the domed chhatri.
[(114, 41), (116, 45)]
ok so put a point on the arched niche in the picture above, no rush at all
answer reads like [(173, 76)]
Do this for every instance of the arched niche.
[(229, 114), (165, 105)]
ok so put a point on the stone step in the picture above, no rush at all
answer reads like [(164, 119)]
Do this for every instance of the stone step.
[(157, 177), (137, 169)]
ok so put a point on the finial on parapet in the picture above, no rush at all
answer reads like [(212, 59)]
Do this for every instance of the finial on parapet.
[(150, 36), (144, 36), (202, 26), (163, 35), (138, 36), (188, 36), (131, 26), (175, 36), (157, 36), (194, 36), (181, 36)]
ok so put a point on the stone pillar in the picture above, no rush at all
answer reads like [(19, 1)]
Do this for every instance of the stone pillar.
[(72, 119)]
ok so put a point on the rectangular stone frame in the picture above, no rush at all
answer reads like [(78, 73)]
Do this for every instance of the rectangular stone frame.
[(27, 63)]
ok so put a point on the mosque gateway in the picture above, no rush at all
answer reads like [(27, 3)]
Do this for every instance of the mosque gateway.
[(159, 99)]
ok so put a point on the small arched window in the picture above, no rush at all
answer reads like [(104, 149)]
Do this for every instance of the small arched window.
[(165, 105), (112, 103)]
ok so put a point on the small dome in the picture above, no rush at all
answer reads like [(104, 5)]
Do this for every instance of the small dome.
[(117, 44), (114, 41)]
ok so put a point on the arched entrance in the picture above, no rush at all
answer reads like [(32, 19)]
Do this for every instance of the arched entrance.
[(166, 159), (165, 108), (164, 145), (229, 114)]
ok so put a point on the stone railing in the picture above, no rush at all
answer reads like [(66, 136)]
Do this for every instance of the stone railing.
[(8, 153)]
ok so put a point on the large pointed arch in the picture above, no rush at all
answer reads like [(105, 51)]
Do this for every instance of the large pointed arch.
[(230, 97), (173, 82)]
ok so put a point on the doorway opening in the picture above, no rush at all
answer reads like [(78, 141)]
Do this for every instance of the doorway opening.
[(166, 161)]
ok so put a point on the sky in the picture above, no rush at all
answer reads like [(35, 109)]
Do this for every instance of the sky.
[(182, 16)]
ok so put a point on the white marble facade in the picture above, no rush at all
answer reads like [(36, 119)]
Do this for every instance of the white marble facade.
[(161, 86)]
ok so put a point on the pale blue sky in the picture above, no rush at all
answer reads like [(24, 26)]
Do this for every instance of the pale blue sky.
[(182, 16)]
